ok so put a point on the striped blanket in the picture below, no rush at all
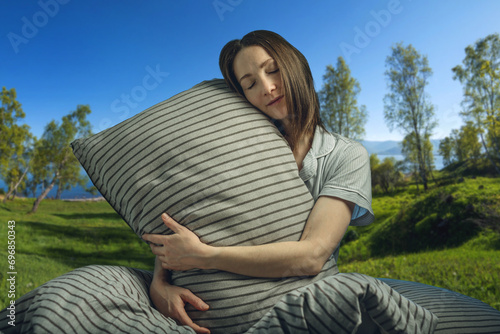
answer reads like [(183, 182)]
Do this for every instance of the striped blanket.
[(107, 299), (112, 299)]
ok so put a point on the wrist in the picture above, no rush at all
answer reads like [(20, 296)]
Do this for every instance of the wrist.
[(159, 279), (210, 256)]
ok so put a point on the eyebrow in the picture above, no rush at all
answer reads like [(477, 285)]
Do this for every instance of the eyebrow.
[(261, 66)]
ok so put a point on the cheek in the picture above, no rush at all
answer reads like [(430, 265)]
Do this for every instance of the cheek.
[(253, 99)]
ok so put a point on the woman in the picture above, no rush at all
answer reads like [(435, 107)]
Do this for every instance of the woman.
[(275, 77)]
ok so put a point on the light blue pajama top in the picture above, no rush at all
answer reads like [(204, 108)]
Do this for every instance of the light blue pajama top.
[(339, 167)]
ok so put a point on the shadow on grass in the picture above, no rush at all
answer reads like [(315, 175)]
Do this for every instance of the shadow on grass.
[(88, 245), (98, 233), (122, 257)]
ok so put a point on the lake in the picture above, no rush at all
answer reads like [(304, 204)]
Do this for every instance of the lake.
[(438, 159)]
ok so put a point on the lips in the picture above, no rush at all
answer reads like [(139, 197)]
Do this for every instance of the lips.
[(274, 101)]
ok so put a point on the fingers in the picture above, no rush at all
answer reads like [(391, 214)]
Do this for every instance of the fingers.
[(170, 223), (156, 239), (184, 319), (194, 300), (188, 297)]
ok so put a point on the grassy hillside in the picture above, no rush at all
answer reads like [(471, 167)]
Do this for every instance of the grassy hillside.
[(448, 237)]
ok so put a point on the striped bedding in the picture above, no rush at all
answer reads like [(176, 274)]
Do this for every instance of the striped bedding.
[(112, 299)]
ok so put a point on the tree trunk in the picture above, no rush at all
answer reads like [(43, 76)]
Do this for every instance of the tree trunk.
[(59, 191), (421, 162), (44, 193), (488, 153), (14, 189)]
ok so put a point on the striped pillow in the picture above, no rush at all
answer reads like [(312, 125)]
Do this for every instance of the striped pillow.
[(218, 166)]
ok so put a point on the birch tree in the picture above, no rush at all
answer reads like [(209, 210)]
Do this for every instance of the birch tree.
[(53, 155), (14, 138), (407, 107), (339, 102), (480, 77)]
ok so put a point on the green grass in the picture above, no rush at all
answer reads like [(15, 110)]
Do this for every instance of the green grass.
[(407, 240), (448, 236), (474, 273), (62, 236)]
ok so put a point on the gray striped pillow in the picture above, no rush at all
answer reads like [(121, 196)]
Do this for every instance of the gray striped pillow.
[(218, 166)]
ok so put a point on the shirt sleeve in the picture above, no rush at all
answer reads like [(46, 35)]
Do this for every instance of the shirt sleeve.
[(348, 176)]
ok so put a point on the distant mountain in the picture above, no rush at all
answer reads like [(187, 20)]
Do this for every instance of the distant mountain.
[(391, 147)]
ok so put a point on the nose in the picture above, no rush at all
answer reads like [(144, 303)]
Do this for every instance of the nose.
[(268, 85)]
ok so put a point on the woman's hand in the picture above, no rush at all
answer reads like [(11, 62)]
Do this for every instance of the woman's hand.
[(182, 250), (170, 300)]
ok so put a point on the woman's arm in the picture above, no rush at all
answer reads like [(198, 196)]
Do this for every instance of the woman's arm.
[(322, 233), (170, 300)]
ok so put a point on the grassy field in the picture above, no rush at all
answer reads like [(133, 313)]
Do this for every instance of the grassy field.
[(62, 236), (429, 247)]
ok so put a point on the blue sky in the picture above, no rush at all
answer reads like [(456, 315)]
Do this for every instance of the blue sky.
[(121, 57)]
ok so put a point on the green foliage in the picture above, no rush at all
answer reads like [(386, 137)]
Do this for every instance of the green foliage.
[(406, 107), (339, 102), (386, 176), (54, 162), (481, 167), (480, 76), (10, 132), (446, 147), (411, 152), (14, 140), (461, 145)]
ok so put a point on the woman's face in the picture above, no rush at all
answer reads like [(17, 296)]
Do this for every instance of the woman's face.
[(260, 78)]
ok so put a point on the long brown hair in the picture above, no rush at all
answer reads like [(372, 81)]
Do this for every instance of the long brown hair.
[(301, 97)]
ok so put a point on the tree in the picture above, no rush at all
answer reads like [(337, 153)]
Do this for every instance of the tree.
[(467, 143), (339, 105), (406, 107), (446, 147), (480, 77), (386, 174), (461, 145), (409, 150), (13, 139), (53, 159), (19, 167), (70, 177)]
